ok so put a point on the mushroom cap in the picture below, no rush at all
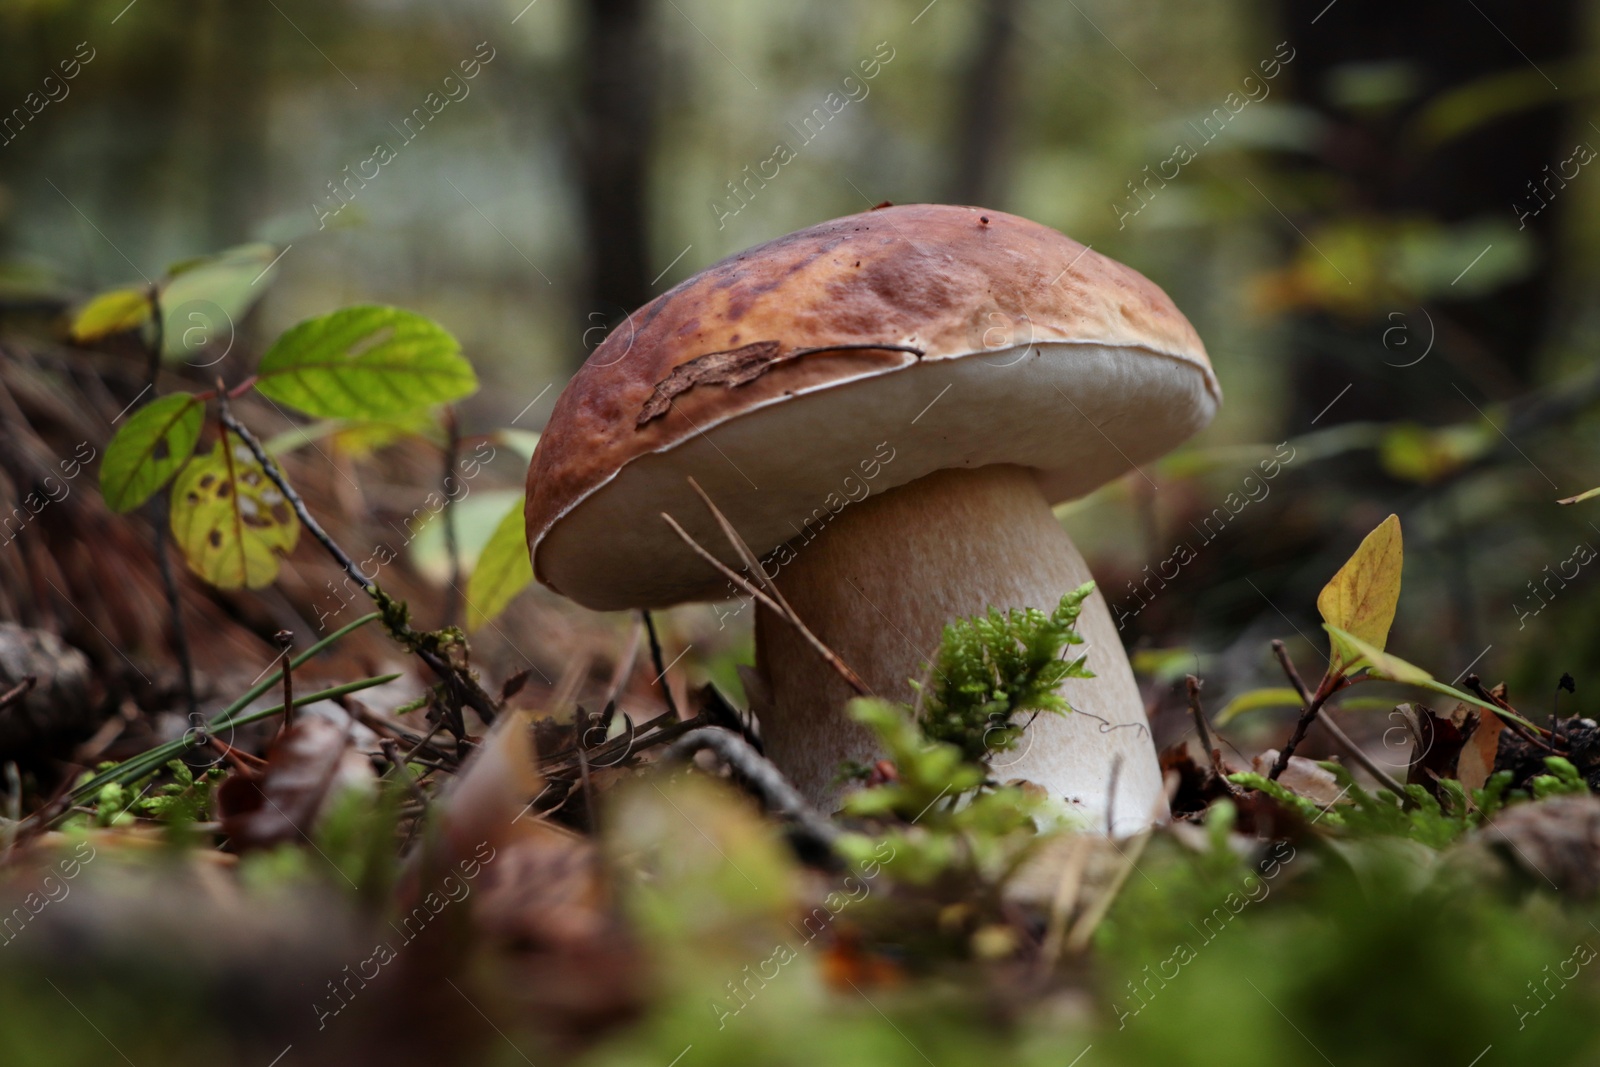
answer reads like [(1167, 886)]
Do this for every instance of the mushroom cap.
[(1005, 342)]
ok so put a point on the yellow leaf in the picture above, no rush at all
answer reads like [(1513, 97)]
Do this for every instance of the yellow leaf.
[(503, 569), (229, 520), (112, 312), (1361, 598)]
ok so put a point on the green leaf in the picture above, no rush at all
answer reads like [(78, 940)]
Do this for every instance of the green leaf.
[(1389, 667), (203, 299), (1581, 497), (117, 311), (1362, 596), (149, 449), (1256, 699), (503, 569), (231, 523), (366, 362)]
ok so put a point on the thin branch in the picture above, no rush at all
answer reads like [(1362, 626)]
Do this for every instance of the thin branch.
[(1280, 650), (751, 563), (775, 791), (1357, 753), (156, 511), (1308, 715), (1199, 714), (285, 639), (656, 660), (1353, 750), (18, 691), (270, 466), (452, 547), (850, 677), (1477, 688), (463, 686)]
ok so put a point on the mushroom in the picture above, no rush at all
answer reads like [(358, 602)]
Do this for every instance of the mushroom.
[(885, 407)]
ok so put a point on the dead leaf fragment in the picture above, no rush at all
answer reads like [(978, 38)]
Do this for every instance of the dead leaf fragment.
[(734, 367), (1303, 777), (283, 804), (1478, 756)]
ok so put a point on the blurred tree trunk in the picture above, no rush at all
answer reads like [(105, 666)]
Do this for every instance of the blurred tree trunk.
[(982, 136), (1371, 161), (620, 82)]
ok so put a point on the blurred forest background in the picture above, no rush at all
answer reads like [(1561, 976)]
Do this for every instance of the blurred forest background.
[(1383, 228)]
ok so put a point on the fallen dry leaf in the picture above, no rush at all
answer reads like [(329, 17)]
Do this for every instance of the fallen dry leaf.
[(285, 801)]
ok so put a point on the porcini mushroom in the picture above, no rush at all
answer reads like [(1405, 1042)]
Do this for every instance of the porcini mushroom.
[(885, 406)]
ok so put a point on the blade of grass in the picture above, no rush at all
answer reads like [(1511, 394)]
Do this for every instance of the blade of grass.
[(277, 676), (137, 767)]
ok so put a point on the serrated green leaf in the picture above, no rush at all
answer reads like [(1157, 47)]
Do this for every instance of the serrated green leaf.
[(203, 299), (116, 311), (229, 520), (155, 442), (366, 362), (503, 569)]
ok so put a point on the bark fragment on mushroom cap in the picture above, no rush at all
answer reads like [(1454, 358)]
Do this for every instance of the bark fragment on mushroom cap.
[(1056, 358)]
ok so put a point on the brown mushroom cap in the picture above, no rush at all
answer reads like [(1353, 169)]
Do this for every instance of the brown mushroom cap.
[(1007, 343)]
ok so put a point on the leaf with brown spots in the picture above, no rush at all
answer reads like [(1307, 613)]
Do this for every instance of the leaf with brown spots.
[(231, 523)]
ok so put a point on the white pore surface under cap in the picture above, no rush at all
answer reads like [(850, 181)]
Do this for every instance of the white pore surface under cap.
[(1079, 414)]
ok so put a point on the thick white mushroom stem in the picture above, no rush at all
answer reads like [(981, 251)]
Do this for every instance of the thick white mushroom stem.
[(879, 582)]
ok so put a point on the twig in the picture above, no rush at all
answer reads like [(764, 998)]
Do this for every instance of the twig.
[(850, 677), (655, 659), (1084, 928), (1475, 684), (462, 685), (1066, 896), (156, 513), (397, 763), (776, 793), (13, 809), (169, 582), (452, 548), (242, 761), (18, 691), (623, 670), (285, 639), (1308, 715), (739, 546), (379, 724), (1111, 797), (1281, 650), (588, 793), (1193, 685), (270, 466), (1355, 751)]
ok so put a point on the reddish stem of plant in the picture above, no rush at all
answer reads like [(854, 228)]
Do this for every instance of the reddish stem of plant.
[(1332, 682)]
